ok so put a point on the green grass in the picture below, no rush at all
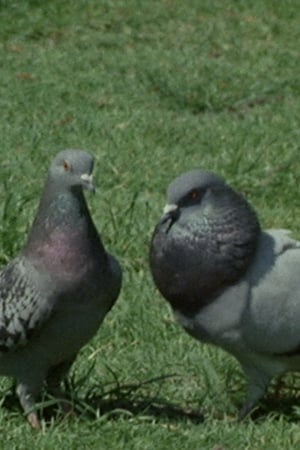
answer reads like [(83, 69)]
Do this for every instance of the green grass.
[(151, 89)]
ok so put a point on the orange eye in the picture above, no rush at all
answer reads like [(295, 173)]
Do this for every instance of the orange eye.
[(67, 166), (194, 194)]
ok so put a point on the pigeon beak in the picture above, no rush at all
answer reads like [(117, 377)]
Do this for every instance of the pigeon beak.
[(87, 182), (170, 215), (170, 208)]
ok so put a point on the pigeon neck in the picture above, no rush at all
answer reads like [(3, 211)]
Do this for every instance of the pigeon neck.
[(190, 305), (60, 208)]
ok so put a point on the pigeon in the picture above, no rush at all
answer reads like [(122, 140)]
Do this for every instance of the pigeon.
[(55, 294), (229, 283)]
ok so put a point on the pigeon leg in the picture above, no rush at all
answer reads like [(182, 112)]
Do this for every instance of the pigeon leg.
[(54, 378), (27, 395), (34, 421), (246, 409), (258, 382)]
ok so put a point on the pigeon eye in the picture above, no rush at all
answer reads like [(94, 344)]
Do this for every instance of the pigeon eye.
[(194, 194), (67, 166)]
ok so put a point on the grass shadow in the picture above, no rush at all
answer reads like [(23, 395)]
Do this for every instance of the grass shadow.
[(128, 400), (278, 407), (120, 400)]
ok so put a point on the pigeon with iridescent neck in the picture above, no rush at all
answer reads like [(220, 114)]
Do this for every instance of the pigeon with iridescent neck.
[(56, 293), (228, 282)]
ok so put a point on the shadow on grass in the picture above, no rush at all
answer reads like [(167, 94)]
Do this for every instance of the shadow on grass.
[(117, 400), (126, 400), (122, 400), (285, 405), (288, 407)]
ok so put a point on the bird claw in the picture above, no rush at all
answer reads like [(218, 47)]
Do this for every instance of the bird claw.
[(34, 421), (67, 409)]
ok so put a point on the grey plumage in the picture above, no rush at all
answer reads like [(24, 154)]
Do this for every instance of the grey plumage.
[(55, 294), (228, 282)]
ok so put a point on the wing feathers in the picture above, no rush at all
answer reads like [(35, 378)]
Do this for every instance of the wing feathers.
[(22, 307)]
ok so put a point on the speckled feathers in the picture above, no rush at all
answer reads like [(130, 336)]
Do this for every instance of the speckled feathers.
[(56, 293)]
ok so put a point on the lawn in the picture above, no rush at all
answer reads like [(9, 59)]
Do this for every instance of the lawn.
[(151, 89)]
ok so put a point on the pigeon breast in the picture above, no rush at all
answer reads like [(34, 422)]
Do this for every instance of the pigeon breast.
[(203, 248)]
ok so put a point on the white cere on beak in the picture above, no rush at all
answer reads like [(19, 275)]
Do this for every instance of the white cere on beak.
[(86, 177), (88, 181), (169, 208)]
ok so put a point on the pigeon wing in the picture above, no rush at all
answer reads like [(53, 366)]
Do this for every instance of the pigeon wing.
[(23, 308), (271, 323)]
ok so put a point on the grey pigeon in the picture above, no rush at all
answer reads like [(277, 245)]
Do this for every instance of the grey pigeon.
[(56, 293), (228, 282)]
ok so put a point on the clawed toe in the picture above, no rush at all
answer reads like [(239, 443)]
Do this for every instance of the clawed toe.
[(34, 421)]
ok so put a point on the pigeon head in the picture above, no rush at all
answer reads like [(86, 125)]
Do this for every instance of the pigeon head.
[(72, 168), (205, 240), (202, 201), (190, 191), (63, 207), (187, 187)]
